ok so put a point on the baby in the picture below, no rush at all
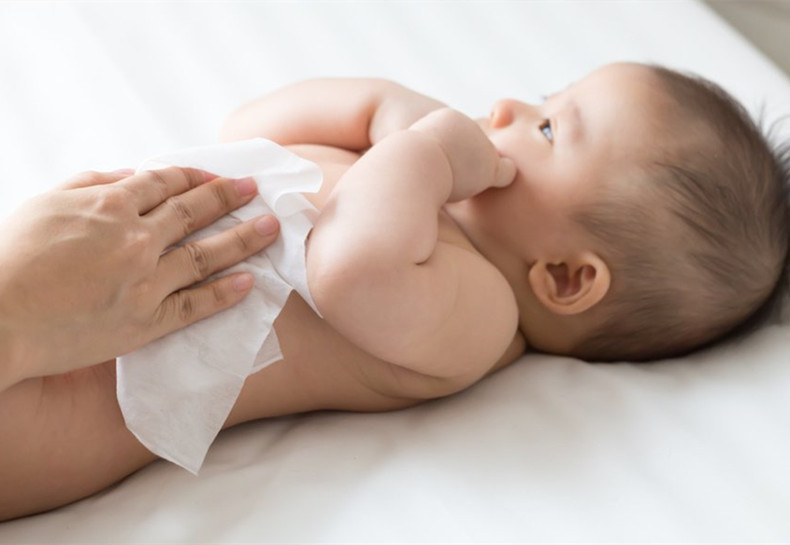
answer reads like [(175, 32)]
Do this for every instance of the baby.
[(638, 214)]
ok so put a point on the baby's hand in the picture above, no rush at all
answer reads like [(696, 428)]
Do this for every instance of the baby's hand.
[(475, 163)]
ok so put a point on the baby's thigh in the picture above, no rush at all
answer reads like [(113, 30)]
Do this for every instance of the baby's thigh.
[(63, 438)]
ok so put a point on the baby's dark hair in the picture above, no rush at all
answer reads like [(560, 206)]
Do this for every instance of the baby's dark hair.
[(700, 251)]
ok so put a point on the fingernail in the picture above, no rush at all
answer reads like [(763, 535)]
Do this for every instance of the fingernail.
[(266, 226), (243, 282), (246, 186)]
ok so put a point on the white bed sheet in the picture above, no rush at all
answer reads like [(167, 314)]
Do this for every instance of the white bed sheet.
[(550, 449)]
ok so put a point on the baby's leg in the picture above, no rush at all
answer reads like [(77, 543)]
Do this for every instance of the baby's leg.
[(63, 438)]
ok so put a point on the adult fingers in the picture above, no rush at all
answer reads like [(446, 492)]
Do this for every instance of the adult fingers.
[(151, 188), (183, 214), (91, 177), (195, 261), (187, 306)]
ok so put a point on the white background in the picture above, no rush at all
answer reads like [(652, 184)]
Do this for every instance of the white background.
[(550, 449)]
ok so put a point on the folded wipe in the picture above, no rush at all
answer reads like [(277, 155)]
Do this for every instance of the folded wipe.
[(176, 392)]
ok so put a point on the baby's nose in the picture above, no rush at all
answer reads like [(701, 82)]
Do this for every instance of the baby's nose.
[(502, 114), (507, 111)]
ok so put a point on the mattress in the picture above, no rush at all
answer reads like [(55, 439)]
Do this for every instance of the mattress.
[(550, 449)]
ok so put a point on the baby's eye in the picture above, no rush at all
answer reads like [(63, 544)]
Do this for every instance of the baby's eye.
[(545, 128)]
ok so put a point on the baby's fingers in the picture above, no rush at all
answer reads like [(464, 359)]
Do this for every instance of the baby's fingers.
[(505, 173)]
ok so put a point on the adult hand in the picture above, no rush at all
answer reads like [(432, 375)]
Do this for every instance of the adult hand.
[(84, 276)]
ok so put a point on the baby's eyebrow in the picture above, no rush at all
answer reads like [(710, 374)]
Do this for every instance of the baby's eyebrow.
[(573, 128)]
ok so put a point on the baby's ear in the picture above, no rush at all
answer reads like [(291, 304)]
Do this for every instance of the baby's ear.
[(571, 286)]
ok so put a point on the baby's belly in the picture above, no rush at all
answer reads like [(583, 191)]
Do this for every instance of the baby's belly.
[(322, 370), (351, 377)]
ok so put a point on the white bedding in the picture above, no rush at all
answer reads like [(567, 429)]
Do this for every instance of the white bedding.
[(550, 449)]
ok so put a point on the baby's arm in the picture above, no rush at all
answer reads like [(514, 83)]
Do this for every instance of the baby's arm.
[(380, 276), (346, 113)]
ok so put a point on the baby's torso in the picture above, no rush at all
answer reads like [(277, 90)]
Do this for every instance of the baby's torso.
[(323, 370)]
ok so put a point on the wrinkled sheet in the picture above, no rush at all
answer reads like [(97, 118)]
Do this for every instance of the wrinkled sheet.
[(550, 449)]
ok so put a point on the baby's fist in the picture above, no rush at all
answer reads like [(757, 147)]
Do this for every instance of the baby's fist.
[(505, 173), (475, 163)]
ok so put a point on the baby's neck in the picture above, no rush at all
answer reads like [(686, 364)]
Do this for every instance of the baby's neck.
[(542, 329)]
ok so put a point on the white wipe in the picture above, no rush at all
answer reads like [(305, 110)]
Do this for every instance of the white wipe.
[(176, 392)]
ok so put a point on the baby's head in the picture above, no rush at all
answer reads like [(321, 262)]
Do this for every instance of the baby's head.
[(656, 214)]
